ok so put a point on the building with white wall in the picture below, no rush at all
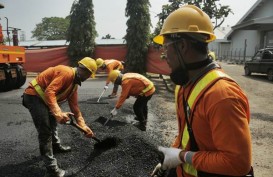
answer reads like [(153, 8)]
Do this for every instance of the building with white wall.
[(252, 32)]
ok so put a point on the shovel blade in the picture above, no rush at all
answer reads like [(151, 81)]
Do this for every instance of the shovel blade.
[(107, 143)]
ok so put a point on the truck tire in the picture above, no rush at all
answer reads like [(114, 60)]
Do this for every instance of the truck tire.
[(270, 75), (10, 81), (247, 71), (2, 79), (21, 76)]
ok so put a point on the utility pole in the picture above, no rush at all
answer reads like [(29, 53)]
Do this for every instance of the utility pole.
[(8, 29), (245, 45), (15, 35)]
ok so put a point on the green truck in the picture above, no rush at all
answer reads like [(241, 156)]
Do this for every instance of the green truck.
[(261, 62)]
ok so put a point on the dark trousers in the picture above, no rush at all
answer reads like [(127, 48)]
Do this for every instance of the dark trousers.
[(115, 89), (141, 108), (46, 126)]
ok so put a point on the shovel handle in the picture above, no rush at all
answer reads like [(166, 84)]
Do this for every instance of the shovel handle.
[(101, 95), (108, 120), (71, 122), (96, 139)]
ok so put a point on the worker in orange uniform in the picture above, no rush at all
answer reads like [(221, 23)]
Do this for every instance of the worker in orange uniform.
[(110, 65), (133, 84), (212, 110), (42, 98)]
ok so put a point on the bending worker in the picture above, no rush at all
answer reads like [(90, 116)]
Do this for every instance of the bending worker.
[(110, 65), (212, 110), (42, 98), (133, 84)]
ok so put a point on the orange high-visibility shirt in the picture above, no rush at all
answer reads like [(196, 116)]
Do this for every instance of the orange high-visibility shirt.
[(53, 81), (221, 130), (133, 87), (112, 65)]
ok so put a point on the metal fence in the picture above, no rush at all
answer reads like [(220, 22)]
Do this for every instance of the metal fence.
[(237, 56)]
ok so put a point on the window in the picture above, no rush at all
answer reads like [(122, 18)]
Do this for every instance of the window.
[(258, 56), (267, 55)]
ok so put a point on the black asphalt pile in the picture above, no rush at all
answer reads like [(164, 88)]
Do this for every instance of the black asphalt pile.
[(131, 152), (132, 155), (107, 143)]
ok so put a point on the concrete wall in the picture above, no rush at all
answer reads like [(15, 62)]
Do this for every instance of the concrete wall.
[(252, 43)]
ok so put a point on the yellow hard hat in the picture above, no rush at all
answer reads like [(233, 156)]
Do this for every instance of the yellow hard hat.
[(113, 75), (99, 62), (187, 19), (89, 64)]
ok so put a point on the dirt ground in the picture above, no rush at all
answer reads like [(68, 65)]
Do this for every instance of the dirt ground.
[(136, 153)]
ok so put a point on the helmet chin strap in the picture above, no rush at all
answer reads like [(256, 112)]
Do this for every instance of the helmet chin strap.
[(181, 75), (198, 65)]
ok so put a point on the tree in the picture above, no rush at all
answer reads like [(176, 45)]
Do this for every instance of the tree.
[(108, 36), (216, 11), (81, 31), (137, 36), (51, 28)]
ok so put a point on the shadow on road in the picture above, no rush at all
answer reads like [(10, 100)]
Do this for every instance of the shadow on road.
[(29, 168)]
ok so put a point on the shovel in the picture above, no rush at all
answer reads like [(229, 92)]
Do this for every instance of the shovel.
[(98, 101), (101, 144), (101, 95), (108, 119), (71, 122)]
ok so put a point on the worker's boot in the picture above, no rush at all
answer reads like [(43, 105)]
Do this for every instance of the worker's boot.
[(54, 172), (58, 148), (137, 118), (141, 125), (113, 95)]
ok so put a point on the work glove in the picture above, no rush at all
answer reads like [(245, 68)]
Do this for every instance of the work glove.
[(114, 112), (89, 133), (158, 171), (105, 87), (171, 157), (63, 117)]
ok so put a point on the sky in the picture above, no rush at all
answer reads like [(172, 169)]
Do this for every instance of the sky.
[(109, 14)]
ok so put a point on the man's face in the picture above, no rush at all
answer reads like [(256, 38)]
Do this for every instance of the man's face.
[(103, 66), (84, 74), (171, 53)]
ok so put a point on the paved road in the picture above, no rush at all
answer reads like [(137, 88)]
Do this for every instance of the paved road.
[(19, 145)]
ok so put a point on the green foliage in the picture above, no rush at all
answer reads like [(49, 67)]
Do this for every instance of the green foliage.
[(81, 31), (216, 11), (137, 36), (52, 28), (108, 36)]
